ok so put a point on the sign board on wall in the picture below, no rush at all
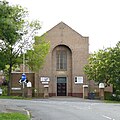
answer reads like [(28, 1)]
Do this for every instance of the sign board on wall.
[(45, 82), (29, 84), (45, 79), (46, 86), (16, 88), (78, 79), (101, 85)]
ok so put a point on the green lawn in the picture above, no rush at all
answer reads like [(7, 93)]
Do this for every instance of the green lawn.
[(13, 97), (110, 101), (13, 116)]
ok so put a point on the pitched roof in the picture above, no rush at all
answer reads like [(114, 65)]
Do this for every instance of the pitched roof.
[(61, 24)]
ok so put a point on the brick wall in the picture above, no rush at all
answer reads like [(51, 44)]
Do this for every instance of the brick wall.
[(77, 47), (15, 85)]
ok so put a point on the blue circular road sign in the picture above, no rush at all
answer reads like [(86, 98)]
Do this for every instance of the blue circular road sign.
[(23, 77)]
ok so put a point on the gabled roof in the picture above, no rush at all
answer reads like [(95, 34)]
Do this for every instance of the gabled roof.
[(62, 23)]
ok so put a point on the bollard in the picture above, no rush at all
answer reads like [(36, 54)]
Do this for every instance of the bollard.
[(46, 95), (29, 89), (85, 91), (101, 91)]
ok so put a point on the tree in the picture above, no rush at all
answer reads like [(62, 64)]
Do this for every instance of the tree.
[(37, 54), (16, 35), (104, 66), (3, 61)]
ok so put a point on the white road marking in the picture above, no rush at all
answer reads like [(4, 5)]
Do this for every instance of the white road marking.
[(28, 113), (107, 117)]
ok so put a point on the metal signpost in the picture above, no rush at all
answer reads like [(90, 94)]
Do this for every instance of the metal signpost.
[(23, 83), (23, 79)]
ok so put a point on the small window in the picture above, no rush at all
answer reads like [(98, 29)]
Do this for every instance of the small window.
[(61, 56)]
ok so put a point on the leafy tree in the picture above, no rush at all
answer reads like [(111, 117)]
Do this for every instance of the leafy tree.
[(3, 61), (16, 35), (37, 54), (104, 66)]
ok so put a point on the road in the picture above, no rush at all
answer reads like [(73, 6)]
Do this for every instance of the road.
[(65, 109)]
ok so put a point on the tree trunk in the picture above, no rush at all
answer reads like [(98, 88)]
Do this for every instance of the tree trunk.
[(9, 80)]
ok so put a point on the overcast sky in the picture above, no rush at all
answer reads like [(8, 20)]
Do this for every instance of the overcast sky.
[(97, 19)]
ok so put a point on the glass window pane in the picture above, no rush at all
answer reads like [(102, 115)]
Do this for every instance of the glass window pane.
[(61, 57)]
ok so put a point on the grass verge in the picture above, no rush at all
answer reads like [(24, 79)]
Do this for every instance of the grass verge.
[(110, 101), (13, 97), (13, 116)]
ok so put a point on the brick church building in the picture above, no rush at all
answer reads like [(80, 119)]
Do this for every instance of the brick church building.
[(62, 73), (64, 64)]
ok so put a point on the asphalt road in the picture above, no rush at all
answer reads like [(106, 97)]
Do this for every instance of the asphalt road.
[(65, 109)]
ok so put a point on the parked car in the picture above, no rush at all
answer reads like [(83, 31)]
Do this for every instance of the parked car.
[(0, 91)]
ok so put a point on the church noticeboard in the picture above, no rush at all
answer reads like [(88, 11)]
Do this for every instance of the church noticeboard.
[(78, 80), (45, 79)]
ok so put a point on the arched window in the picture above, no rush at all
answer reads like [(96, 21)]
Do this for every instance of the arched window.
[(61, 60)]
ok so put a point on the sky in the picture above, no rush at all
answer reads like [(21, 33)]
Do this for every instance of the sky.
[(97, 19)]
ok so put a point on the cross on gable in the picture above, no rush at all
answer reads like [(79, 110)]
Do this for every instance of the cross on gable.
[(61, 28)]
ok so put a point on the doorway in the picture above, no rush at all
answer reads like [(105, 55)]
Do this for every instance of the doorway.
[(61, 86)]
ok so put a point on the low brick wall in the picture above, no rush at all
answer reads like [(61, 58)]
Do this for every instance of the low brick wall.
[(16, 87)]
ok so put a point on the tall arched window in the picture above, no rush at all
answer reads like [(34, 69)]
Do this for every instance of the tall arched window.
[(61, 62)]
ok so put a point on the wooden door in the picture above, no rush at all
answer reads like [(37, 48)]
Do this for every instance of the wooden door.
[(61, 86)]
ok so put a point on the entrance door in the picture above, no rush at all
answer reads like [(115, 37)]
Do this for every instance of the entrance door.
[(61, 86)]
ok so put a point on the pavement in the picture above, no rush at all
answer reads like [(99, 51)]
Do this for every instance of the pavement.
[(74, 99), (69, 99)]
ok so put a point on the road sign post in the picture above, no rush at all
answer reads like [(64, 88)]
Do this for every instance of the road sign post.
[(23, 78), (23, 90), (45, 82)]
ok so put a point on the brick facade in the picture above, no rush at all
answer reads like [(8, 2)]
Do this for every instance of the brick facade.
[(61, 82), (16, 87), (63, 37)]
